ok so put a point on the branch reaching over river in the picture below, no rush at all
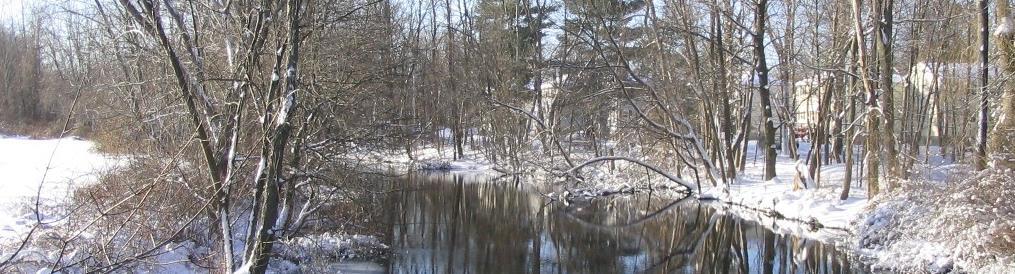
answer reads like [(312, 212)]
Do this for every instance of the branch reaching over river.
[(573, 172)]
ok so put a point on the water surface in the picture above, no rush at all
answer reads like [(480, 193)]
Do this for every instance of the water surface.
[(452, 224)]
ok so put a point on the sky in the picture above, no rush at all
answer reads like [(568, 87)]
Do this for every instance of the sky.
[(11, 9)]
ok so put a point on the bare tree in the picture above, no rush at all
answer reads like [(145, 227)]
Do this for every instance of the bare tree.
[(871, 99), (884, 39), (984, 114), (761, 68), (1003, 133)]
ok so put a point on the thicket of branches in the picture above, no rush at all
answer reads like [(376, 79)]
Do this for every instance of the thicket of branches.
[(32, 96), (238, 113)]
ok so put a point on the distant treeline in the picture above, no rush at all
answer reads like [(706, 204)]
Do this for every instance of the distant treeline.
[(31, 97)]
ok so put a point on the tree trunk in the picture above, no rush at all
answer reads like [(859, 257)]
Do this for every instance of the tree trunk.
[(766, 97), (260, 249), (984, 115), (1003, 135), (218, 167), (873, 120), (884, 38), (851, 136)]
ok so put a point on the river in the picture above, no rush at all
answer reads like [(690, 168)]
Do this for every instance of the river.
[(444, 223)]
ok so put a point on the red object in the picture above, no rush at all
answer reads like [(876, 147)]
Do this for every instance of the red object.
[(800, 132)]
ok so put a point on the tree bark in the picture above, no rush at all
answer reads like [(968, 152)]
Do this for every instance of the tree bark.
[(871, 159), (984, 114), (260, 249), (884, 40), (1003, 135), (761, 68)]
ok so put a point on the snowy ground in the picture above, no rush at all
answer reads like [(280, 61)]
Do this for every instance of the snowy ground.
[(816, 211), (47, 169), (320, 253), (52, 169), (816, 204), (807, 207), (430, 158), (332, 253), (948, 218)]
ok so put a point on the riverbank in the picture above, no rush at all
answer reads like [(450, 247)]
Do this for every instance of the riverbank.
[(425, 158), (815, 204), (946, 218), (36, 196), (880, 231)]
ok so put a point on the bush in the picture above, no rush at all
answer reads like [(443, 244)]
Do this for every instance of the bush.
[(964, 224), (435, 166)]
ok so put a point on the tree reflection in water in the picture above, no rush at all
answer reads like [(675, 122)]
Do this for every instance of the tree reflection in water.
[(450, 224)]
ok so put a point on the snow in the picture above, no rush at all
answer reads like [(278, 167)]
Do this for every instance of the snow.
[(46, 173), (24, 164), (815, 204), (885, 231), (175, 258), (50, 169), (425, 158), (328, 253), (334, 245), (960, 224), (1003, 28)]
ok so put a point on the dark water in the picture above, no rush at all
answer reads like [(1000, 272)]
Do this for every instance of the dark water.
[(450, 224)]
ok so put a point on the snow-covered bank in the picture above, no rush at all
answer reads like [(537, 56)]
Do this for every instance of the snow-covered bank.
[(48, 169), (39, 180), (881, 231), (53, 170), (316, 253), (800, 211), (328, 252), (428, 158), (961, 222), (817, 204)]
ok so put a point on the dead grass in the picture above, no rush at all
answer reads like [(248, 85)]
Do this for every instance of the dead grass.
[(35, 130), (132, 210)]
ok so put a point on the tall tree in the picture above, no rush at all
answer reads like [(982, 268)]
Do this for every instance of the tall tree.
[(457, 130), (204, 119), (274, 147), (884, 39), (761, 69), (1002, 139), (871, 100), (984, 113)]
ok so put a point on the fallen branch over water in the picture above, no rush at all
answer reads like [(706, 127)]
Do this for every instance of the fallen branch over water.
[(573, 172)]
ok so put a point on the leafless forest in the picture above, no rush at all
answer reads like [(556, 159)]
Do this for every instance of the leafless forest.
[(244, 122)]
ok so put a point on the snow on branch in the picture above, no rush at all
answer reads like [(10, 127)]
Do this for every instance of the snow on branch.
[(575, 169)]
